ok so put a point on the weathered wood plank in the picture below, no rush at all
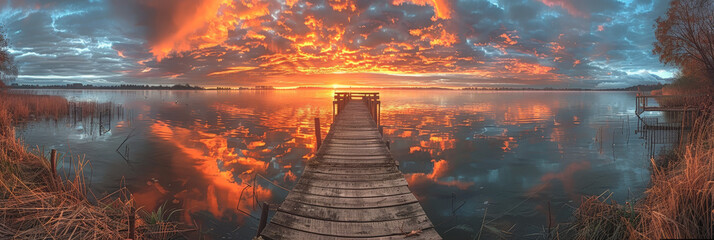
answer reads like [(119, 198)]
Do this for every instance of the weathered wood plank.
[(353, 203), (356, 158), (352, 215), (384, 164), (352, 229), (277, 232), (356, 152), (355, 184), (356, 145), (355, 178), (341, 192), (351, 141), (358, 171), (363, 161)]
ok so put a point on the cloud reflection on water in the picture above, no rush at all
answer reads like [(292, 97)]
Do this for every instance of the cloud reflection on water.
[(510, 152)]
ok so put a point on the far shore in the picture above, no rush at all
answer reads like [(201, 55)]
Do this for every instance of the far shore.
[(638, 88)]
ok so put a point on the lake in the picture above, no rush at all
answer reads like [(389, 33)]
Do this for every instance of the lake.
[(516, 156)]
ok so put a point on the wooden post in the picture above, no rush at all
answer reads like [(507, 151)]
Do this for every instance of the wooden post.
[(379, 112), (53, 163), (381, 130), (388, 145), (132, 222), (318, 138), (263, 218)]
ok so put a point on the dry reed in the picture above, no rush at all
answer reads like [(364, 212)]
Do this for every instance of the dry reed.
[(25, 106), (678, 204), (34, 204)]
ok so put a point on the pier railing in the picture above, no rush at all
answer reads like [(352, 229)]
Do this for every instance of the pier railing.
[(371, 99), (665, 103)]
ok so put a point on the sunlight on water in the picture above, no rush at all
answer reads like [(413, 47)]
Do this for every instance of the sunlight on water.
[(219, 154)]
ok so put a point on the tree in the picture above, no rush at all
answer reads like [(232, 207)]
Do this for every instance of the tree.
[(685, 37), (8, 70)]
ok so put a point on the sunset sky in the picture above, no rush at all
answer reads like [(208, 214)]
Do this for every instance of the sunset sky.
[(453, 43)]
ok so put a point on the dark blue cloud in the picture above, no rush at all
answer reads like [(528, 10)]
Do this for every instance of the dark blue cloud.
[(575, 43)]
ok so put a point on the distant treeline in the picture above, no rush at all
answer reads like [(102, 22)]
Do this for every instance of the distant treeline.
[(633, 88), (378, 88), (122, 86), (189, 87)]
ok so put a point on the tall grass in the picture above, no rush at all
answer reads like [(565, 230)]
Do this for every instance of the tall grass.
[(25, 106), (678, 204), (34, 204)]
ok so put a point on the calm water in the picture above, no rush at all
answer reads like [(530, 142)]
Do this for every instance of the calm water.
[(507, 154)]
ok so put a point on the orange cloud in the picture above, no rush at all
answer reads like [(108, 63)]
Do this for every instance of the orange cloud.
[(233, 70), (177, 26), (518, 66), (442, 8), (509, 39), (202, 150), (436, 35), (439, 170), (341, 5)]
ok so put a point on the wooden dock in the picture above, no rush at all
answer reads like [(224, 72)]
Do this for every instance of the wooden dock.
[(649, 103), (353, 188)]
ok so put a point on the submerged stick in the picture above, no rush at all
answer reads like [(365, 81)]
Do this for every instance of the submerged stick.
[(483, 221), (263, 218)]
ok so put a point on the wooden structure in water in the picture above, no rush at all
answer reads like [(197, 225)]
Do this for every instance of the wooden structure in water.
[(645, 103), (678, 115), (352, 188)]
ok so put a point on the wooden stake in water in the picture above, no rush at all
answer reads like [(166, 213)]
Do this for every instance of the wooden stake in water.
[(53, 163), (318, 138)]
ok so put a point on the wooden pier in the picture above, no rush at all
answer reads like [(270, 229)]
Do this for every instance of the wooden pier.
[(677, 115), (645, 103), (352, 188)]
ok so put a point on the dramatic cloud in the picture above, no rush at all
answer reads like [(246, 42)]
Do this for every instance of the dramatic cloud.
[(554, 43)]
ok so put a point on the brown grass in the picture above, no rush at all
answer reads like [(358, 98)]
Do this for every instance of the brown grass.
[(36, 205), (27, 107), (678, 204)]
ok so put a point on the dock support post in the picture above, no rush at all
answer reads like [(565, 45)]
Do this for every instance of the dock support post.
[(263, 218), (318, 138)]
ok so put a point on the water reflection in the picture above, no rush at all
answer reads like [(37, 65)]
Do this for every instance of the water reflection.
[(513, 153), (218, 154)]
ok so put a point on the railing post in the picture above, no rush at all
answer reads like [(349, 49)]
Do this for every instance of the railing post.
[(263, 218), (318, 138), (379, 112)]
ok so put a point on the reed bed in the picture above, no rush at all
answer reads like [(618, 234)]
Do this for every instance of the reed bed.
[(678, 204), (28, 107), (36, 204)]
